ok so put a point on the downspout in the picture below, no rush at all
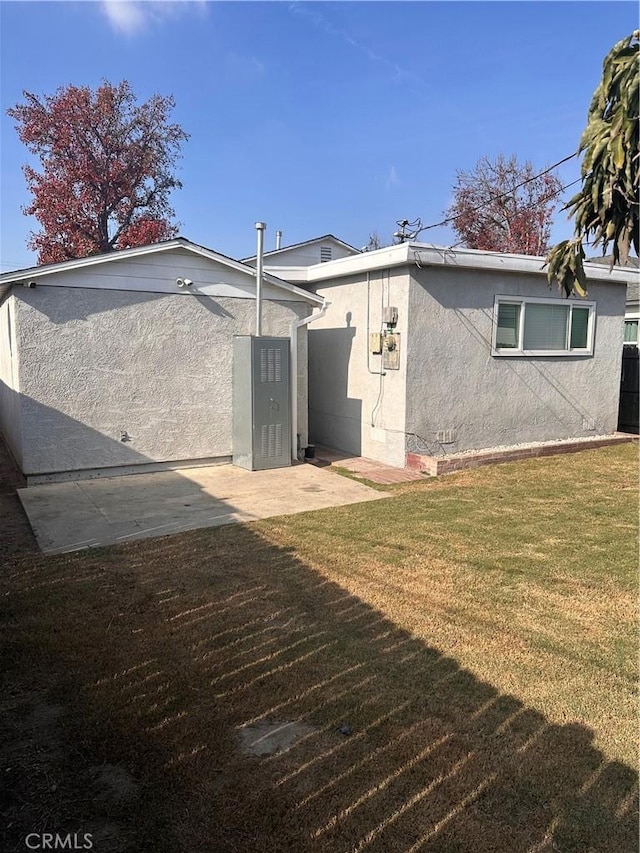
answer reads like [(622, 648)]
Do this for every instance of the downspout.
[(295, 325)]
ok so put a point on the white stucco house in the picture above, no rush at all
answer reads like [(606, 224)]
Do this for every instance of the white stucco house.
[(436, 352), (632, 309), (125, 362), (632, 315), (292, 261), (122, 360)]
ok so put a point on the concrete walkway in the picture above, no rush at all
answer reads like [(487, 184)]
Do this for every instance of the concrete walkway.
[(365, 469), (88, 513)]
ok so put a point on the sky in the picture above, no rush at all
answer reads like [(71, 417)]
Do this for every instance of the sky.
[(318, 117)]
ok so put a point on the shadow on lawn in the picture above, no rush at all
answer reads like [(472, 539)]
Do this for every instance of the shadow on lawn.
[(160, 652)]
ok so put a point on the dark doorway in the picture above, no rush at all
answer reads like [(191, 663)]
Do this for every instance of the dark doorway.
[(628, 414)]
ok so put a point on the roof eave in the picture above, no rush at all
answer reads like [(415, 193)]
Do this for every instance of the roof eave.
[(425, 255), (18, 276), (77, 263)]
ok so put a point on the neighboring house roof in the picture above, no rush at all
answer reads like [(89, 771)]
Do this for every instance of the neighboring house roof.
[(428, 255), (324, 239), (633, 287), (633, 293), (36, 273), (606, 259)]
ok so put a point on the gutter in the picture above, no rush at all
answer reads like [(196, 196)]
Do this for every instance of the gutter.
[(426, 255), (293, 343)]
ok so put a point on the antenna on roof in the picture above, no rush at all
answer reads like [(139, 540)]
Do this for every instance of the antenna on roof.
[(408, 230)]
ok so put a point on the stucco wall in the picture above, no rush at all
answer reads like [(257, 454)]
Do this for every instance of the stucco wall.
[(9, 388), (454, 383), (95, 364), (352, 407)]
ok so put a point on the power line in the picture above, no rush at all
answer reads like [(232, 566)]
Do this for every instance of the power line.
[(405, 223)]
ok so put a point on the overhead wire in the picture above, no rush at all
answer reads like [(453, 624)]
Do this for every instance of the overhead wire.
[(504, 195)]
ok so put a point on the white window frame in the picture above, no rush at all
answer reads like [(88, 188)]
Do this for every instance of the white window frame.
[(510, 352), (633, 316)]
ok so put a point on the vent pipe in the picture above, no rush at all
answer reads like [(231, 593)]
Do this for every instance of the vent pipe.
[(278, 239), (260, 228)]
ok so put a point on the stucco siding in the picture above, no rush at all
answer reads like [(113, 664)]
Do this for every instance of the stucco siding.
[(97, 366), (10, 415), (461, 397), (351, 406)]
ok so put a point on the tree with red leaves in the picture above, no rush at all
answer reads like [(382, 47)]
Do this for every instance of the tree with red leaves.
[(504, 206), (107, 169)]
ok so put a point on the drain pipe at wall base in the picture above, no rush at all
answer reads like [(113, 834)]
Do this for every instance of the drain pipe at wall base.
[(295, 325)]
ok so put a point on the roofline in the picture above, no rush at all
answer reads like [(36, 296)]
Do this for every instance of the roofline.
[(305, 243), (17, 276), (428, 255)]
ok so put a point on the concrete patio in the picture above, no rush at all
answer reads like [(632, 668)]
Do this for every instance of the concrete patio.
[(71, 516)]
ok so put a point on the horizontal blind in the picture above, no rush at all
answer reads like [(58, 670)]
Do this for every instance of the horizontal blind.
[(545, 327)]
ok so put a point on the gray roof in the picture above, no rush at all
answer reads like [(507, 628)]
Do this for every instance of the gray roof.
[(633, 287), (606, 259)]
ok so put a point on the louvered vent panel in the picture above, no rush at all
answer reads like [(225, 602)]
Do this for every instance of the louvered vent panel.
[(325, 254), (270, 365), (271, 440)]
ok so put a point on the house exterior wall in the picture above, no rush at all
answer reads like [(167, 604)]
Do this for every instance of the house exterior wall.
[(351, 406), (157, 273), (303, 256), (455, 384), (97, 365), (633, 299), (10, 425)]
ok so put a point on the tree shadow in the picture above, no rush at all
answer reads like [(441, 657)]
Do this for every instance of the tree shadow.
[(163, 651)]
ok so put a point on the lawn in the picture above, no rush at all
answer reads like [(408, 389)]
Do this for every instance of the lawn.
[(461, 659)]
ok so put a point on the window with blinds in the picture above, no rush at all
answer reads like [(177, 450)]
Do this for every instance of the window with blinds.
[(542, 327), (631, 332)]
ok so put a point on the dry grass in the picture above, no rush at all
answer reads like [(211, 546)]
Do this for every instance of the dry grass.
[(476, 633)]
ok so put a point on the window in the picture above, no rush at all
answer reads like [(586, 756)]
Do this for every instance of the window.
[(542, 327), (631, 332)]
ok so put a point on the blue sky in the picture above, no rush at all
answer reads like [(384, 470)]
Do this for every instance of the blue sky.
[(319, 117)]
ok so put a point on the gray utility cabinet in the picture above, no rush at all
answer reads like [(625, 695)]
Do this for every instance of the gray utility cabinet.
[(261, 403)]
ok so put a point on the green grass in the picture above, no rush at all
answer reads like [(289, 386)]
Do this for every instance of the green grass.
[(476, 632), (518, 570)]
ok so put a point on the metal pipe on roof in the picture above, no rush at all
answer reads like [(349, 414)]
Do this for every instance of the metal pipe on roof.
[(260, 228), (278, 239)]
